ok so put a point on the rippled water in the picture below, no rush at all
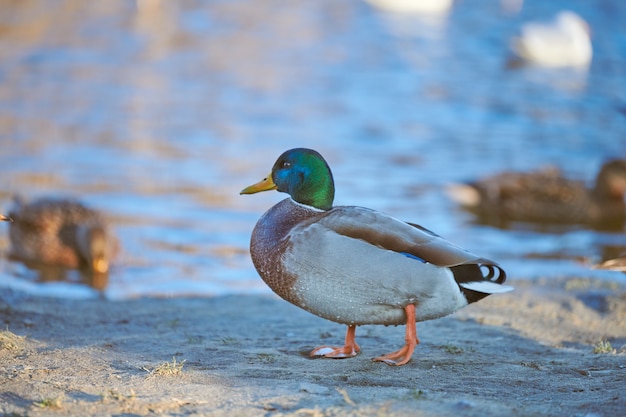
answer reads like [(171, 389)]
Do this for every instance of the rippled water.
[(160, 112)]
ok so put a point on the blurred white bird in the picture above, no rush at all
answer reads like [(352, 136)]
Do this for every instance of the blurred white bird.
[(428, 7), (561, 43)]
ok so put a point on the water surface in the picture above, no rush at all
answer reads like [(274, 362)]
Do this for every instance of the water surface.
[(160, 112)]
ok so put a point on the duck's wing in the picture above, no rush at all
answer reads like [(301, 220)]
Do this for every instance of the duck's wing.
[(529, 194), (47, 212), (475, 275), (26, 217), (545, 197), (546, 184), (389, 233)]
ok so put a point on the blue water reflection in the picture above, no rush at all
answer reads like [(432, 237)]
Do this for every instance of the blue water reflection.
[(159, 112)]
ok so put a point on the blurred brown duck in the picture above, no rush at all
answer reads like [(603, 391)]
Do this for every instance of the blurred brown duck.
[(545, 196), (61, 233)]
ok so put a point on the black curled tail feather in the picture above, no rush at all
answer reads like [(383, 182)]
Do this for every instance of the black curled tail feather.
[(482, 270), (492, 272)]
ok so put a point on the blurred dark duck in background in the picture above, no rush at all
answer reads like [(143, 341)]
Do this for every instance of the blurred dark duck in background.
[(57, 234), (545, 196)]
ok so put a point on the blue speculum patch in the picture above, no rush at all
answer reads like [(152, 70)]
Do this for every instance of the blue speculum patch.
[(408, 255)]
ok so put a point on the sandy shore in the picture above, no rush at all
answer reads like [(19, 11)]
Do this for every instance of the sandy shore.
[(530, 352)]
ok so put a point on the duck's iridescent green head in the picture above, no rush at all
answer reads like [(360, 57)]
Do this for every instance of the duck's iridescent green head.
[(304, 175)]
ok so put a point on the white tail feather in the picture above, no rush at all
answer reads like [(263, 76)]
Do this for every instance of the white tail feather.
[(463, 194), (486, 287)]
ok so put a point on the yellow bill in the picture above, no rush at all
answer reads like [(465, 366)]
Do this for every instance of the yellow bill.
[(265, 184)]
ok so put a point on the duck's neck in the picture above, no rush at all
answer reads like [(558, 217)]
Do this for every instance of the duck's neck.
[(307, 207), (319, 193), (315, 187)]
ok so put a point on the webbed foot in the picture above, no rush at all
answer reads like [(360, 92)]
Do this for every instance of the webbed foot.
[(403, 355), (349, 350)]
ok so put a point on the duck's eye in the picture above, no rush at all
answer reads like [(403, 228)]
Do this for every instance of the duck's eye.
[(285, 164)]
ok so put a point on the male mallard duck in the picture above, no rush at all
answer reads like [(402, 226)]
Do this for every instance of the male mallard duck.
[(546, 196), (61, 233), (356, 266), (562, 43)]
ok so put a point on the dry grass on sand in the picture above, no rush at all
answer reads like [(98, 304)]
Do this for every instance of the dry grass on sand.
[(549, 348)]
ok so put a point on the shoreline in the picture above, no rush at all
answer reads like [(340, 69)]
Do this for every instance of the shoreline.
[(527, 352)]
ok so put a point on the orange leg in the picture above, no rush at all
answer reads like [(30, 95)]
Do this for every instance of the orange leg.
[(349, 349), (402, 356)]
